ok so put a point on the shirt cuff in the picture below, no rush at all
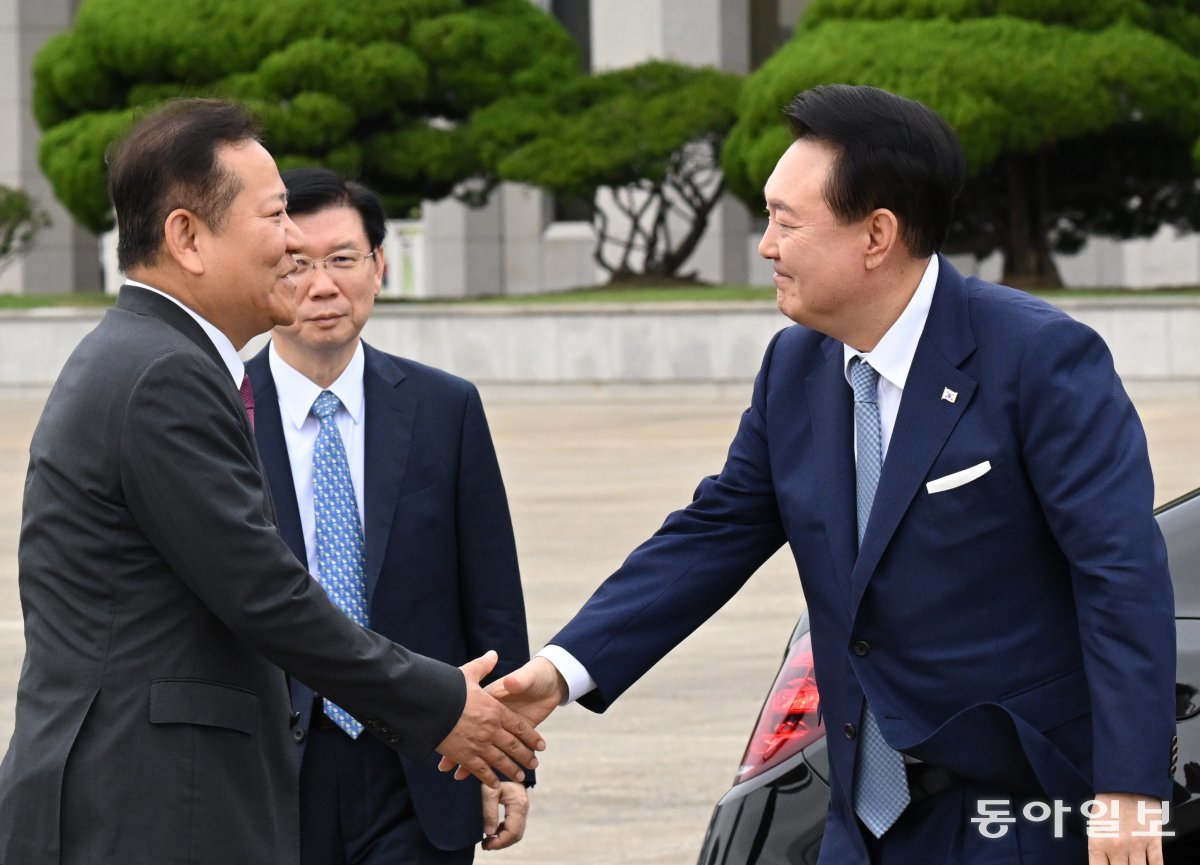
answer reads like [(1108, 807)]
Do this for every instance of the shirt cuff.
[(579, 682)]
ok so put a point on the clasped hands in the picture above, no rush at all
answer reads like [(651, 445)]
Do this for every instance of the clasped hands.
[(527, 696), (496, 732)]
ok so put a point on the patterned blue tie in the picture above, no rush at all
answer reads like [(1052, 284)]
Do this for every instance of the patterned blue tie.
[(880, 780), (341, 569)]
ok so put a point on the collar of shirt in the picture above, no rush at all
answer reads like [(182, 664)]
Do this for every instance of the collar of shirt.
[(893, 356), (297, 392), (224, 347)]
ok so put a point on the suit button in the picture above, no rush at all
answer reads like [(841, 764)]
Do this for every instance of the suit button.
[(850, 731), (861, 648), (298, 734), (294, 719)]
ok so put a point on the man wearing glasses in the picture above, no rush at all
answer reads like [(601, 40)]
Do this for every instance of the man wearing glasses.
[(386, 482)]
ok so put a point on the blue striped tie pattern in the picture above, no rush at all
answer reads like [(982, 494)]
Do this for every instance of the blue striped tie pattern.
[(880, 781), (341, 568)]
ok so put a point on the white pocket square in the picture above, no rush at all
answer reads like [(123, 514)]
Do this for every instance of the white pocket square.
[(949, 482)]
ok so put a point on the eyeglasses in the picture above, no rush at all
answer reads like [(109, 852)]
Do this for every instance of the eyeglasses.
[(340, 261)]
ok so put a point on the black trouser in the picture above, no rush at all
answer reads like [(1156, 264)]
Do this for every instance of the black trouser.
[(355, 808)]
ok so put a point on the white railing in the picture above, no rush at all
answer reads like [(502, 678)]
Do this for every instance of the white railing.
[(404, 251)]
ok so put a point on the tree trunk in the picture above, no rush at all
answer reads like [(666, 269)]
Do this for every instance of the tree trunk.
[(1027, 259), (600, 226), (701, 207)]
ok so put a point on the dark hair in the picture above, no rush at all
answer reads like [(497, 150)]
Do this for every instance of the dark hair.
[(892, 152), (312, 189), (169, 160)]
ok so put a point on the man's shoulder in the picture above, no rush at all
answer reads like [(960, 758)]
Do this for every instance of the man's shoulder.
[(1009, 326), (982, 292), (127, 342), (125, 363), (394, 369), (1010, 303)]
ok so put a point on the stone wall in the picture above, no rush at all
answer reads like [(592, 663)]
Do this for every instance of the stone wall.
[(1152, 339)]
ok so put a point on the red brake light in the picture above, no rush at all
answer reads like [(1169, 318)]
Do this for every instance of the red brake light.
[(788, 721)]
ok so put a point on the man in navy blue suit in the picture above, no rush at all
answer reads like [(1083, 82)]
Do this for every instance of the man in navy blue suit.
[(965, 488), (438, 557)]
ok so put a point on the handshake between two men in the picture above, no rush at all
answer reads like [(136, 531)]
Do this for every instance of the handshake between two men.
[(497, 729)]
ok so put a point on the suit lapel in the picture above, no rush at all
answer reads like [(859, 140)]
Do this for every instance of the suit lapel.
[(272, 450), (391, 414), (831, 408), (925, 419)]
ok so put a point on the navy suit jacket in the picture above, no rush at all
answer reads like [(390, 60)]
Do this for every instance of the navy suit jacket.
[(1003, 629), (442, 576)]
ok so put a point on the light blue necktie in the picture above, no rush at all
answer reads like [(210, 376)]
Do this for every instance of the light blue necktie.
[(880, 780), (341, 569)]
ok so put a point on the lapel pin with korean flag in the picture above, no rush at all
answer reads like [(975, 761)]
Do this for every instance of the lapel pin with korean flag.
[(949, 395)]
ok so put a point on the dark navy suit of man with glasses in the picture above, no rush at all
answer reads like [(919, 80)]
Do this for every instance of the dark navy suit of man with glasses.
[(387, 484)]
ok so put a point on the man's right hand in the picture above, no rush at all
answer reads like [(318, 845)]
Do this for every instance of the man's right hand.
[(535, 690), (489, 736)]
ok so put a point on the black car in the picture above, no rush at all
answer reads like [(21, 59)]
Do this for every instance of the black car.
[(774, 813)]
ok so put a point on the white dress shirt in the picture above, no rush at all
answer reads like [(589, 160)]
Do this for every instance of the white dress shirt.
[(224, 347), (297, 393), (891, 358)]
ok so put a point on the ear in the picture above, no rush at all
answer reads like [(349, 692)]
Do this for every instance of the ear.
[(182, 240), (380, 269), (883, 235)]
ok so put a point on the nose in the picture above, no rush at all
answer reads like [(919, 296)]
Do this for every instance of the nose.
[(293, 236), (320, 283), (768, 245)]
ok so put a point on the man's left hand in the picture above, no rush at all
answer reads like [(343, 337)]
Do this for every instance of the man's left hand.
[(1127, 849), (515, 799)]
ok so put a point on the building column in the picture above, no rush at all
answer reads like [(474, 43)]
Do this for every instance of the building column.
[(64, 258)]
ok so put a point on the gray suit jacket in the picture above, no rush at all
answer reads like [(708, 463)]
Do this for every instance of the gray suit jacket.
[(152, 720)]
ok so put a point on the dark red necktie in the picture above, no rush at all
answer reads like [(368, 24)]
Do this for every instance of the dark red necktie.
[(248, 398)]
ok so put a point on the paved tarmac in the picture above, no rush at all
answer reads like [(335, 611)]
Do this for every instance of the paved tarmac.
[(591, 472)]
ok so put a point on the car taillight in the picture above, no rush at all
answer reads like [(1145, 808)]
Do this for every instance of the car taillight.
[(789, 720)]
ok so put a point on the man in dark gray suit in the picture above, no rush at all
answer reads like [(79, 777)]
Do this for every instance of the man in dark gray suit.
[(152, 719)]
